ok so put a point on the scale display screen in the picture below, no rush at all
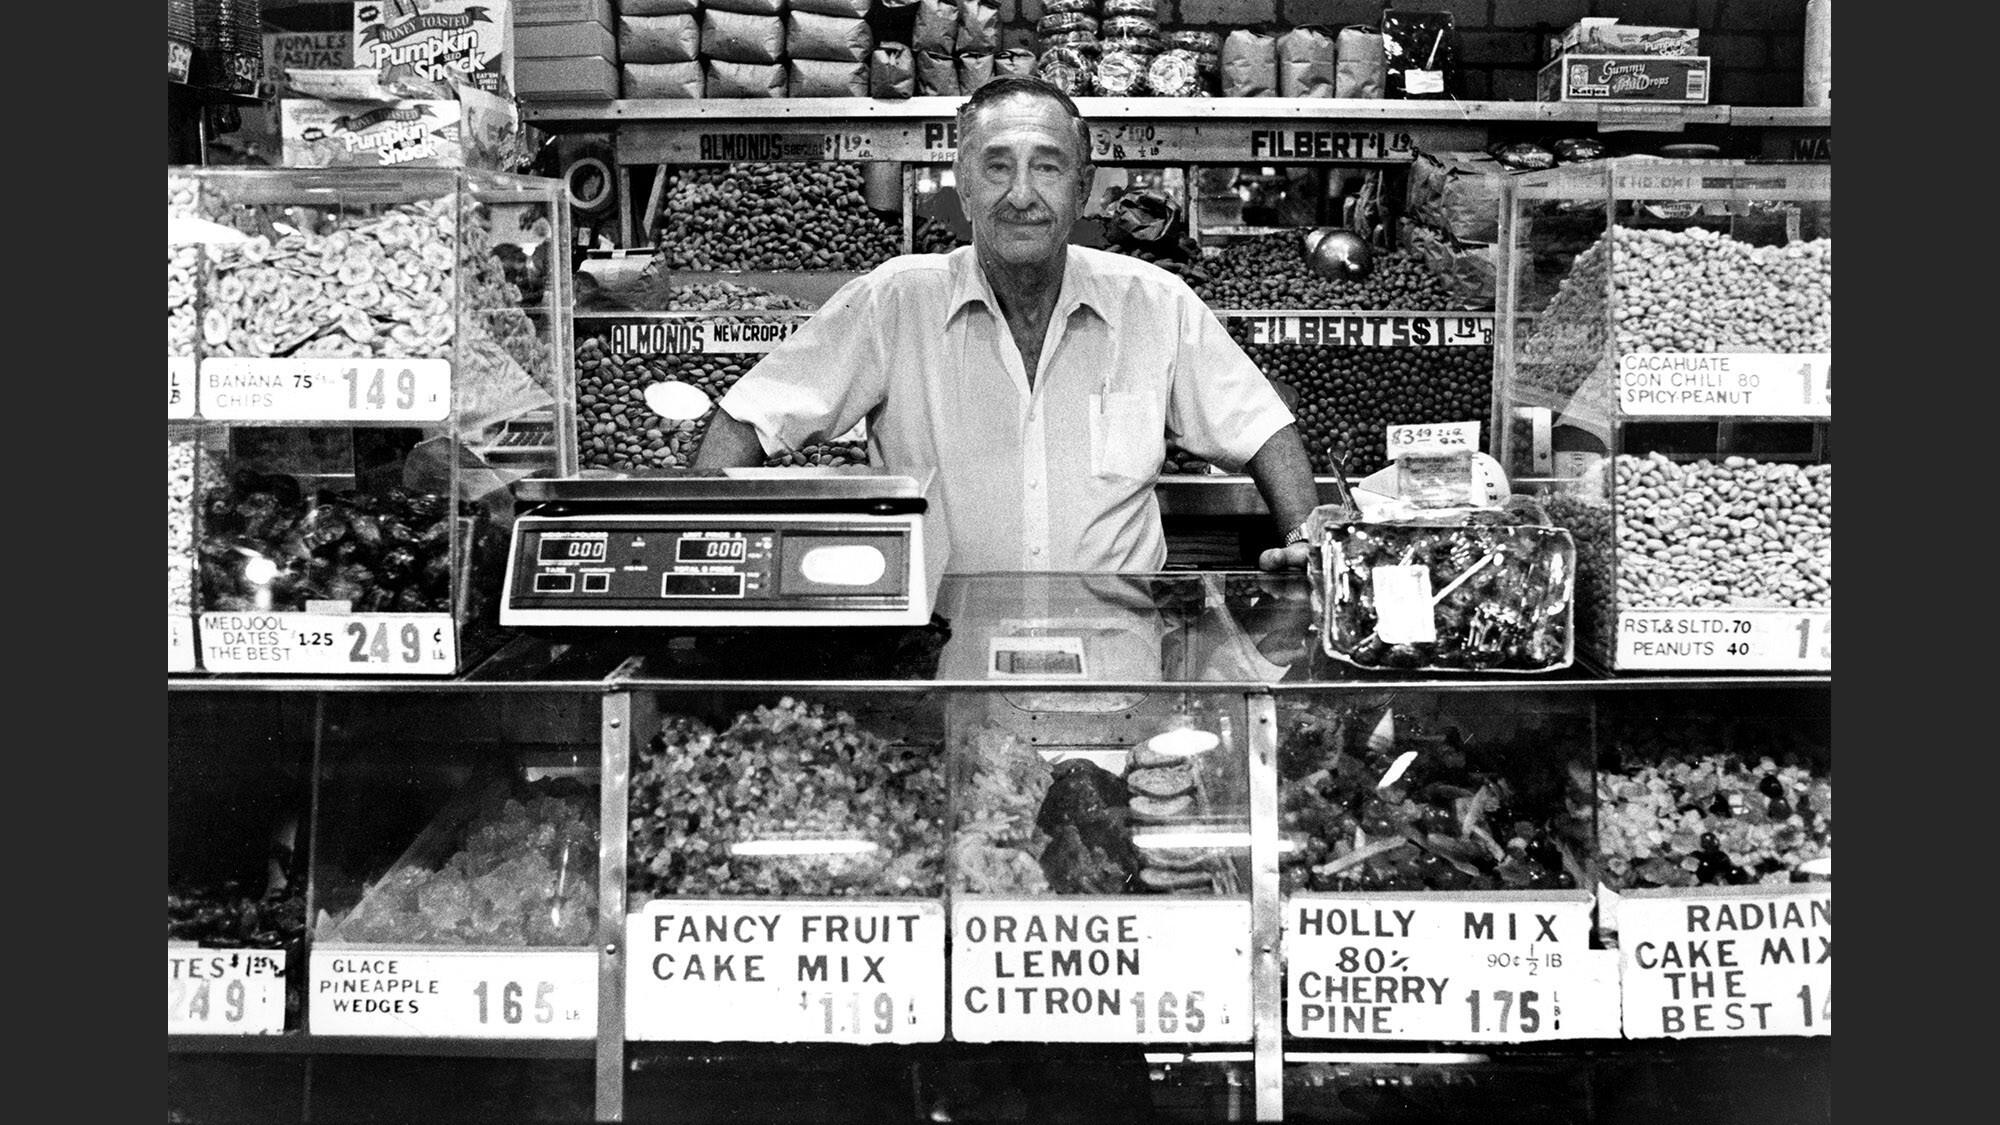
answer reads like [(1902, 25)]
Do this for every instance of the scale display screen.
[(571, 548), (679, 585), (691, 550)]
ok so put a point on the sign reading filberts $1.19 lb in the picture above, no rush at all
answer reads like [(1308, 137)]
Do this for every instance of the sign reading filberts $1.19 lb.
[(790, 971)]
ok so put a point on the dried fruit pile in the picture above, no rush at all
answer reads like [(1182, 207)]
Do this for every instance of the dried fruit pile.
[(794, 773)]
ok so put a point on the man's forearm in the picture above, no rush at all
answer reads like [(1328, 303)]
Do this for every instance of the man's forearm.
[(728, 444), (1284, 477)]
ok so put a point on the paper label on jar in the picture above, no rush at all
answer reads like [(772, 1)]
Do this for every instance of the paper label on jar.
[(325, 389), (180, 386), (1403, 613), (1432, 437), (329, 644), (1474, 966), (1727, 383), (786, 971), (1100, 969), (1725, 640), (180, 643), (224, 991), (1721, 962), (456, 993)]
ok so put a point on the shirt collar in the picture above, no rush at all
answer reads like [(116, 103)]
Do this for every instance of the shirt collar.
[(1082, 287)]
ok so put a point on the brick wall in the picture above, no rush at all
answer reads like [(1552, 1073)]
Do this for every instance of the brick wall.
[(1757, 45)]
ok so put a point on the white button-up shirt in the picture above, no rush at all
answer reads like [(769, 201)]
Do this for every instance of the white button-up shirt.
[(1055, 478)]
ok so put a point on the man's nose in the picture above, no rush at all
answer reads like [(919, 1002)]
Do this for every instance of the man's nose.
[(1020, 188)]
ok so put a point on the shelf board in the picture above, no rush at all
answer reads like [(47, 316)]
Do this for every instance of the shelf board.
[(301, 1043)]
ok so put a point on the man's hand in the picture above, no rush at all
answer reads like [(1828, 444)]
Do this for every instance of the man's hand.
[(1293, 557)]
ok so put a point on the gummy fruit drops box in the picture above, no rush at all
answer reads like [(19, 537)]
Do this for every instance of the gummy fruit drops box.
[(1667, 328), (366, 347)]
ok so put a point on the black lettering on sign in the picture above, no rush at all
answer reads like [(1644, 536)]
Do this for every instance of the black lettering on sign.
[(939, 135), (663, 337), (759, 146), (1319, 144)]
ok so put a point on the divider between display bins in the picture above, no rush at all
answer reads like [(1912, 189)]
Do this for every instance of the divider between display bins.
[(1267, 1023), (625, 715)]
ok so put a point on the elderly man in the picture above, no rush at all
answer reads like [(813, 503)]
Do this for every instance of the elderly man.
[(1039, 380)]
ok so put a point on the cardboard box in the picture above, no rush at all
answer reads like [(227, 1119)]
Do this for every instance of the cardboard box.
[(468, 42), (531, 12), (577, 77), (564, 40), (1604, 35), (1677, 79), (473, 131)]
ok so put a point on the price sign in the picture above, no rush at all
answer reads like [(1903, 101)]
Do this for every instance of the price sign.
[(180, 643), (179, 56), (734, 147), (791, 971), (454, 993), (1641, 118), (1726, 384), (224, 991), (1128, 140), (325, 389), (329, 643), (1368, 330), (1727, 961), (180, 386), (1100, 969), (1734, 640), (1432, 437), (849, 146), (1465, 966)]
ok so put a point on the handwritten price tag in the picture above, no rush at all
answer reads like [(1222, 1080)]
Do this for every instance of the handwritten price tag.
[(225, 991), (1432, 437), (179, 57), (1468, 966), (1735, 640), (325, 389), (1726, 384), (329, 643), (180, 386), (791, 971), (472, 994), (1100, 969), (1726, 961)]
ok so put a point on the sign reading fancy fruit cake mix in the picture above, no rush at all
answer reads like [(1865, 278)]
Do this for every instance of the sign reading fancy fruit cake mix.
[(450, 41)]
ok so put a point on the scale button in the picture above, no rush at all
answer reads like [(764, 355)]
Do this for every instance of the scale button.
[(850, 564), (554, 583), (596, 583)]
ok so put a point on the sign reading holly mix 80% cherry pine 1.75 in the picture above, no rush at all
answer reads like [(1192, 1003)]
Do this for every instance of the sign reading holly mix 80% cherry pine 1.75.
[(324, 389), (1727, 961), (225, 991), (1477, 966), (1091, 969), (792, 971), (455, 993)]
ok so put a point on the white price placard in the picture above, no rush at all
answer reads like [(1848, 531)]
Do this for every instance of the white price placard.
[(1727, 961), (791, 971), (1729, 640), (325, 389), (180, 386), (1100, 969), (1472, 966), (329, 643), (1726, 384), (1432, 437), (224, 991), (180, 643), (453, 993)]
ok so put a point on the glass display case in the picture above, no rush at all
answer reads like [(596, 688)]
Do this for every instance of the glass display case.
[(1667, 382), (1132, 846), (341, 415)]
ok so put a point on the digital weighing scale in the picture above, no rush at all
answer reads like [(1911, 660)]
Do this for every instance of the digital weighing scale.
[(834, 546)]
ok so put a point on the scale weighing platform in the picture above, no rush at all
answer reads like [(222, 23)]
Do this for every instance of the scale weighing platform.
[(834, 546)]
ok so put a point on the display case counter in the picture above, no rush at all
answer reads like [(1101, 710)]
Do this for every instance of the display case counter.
[(1127, 846)]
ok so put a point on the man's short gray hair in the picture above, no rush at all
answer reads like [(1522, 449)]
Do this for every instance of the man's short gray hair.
[(996, 90)]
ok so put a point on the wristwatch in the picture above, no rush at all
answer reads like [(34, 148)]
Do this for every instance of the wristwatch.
[(1297, 535)]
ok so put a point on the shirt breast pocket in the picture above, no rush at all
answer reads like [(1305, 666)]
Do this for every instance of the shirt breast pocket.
[(1127, 436)]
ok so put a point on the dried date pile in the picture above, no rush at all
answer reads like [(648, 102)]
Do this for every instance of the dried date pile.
[(180, 526), (793, 773), (1269, 271)]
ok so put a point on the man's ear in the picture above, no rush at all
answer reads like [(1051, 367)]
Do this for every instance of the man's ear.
[(1086, 176)]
